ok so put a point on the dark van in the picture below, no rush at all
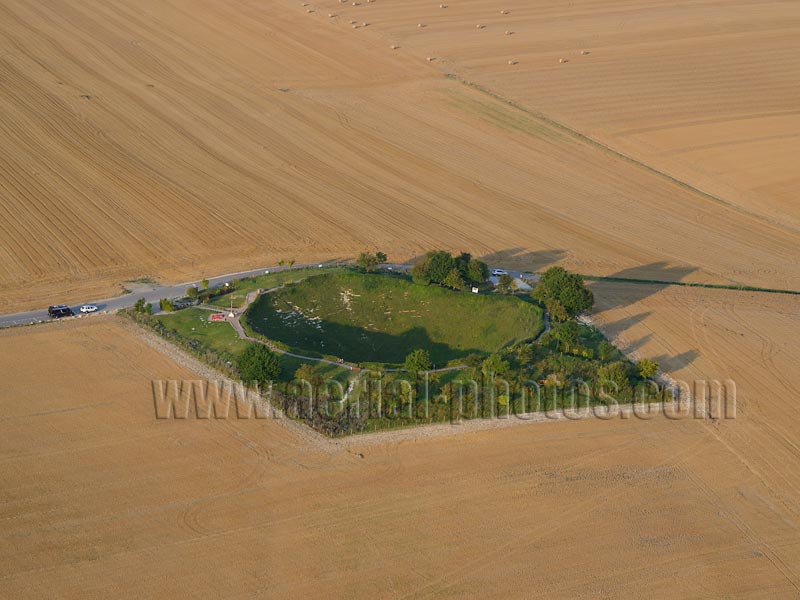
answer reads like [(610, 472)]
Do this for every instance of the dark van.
[(59, 310)]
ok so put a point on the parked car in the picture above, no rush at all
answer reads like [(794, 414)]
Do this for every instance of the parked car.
[(88, 308), (60, 310), (498, 272)]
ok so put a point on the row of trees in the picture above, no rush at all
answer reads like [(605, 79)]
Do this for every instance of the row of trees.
[(454, 272)]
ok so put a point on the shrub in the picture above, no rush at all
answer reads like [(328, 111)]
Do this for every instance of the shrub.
[(418, 360), (368, 261), (647, 368), (258, 363)]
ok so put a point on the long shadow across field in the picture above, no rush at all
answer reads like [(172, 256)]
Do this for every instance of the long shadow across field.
[(642, 282), (519, 258)]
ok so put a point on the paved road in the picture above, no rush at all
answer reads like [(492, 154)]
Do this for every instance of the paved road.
[(153, 293)]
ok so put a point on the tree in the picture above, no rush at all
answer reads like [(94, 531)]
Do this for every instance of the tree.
[(568, 289), (494, 365), (477, 271), (647, 368), (420, 273), (139, 305), (191, 291), (148, 309), (506, 284), (258, 363), (605, 350), (290, 262), (368, 261), (440, 264), (567, 334), (556, 310), (454, 280), (525, 354), (304, 372), (613, 374), (418, 360), (473, 360), (166, 305), (204, 284)]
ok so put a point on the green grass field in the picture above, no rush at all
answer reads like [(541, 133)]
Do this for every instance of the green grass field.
[(379, 318), (247, 285), (192, 325)]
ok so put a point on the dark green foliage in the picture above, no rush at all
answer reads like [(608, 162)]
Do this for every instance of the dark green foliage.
[(605, 350), (566, 334), (166, 305), (438, 267), (191, 291), (563, 293), (368, 261), (614, 375), (495, 365), (477, 271), (418, 360), (139, 305), (420, 273), (648, 368), (440, 264), (258, 363), (454, 280), (506, 284)]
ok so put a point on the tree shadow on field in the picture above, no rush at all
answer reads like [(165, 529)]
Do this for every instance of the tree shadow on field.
[(524, 260), (616, 328), (631, 347), (678, 362), (637, 283)]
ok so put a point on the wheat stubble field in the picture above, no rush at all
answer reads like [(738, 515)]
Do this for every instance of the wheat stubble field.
[(176, 140), (179, 139)]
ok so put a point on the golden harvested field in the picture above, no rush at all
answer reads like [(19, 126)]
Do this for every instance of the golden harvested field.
[(177, 139), (99, 497), (181, 139), (705, 91)]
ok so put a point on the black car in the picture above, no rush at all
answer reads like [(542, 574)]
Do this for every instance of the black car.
[(60, 310)]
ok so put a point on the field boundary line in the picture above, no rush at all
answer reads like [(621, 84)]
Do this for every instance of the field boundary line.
[(617, 153)]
